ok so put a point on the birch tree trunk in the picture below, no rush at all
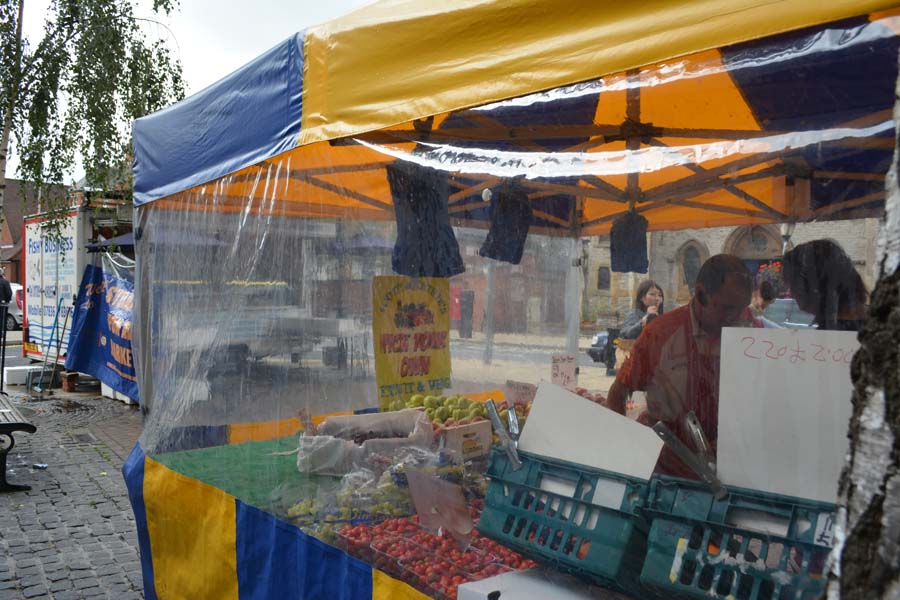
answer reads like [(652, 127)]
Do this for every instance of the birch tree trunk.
[(10, 106), (867, 554)]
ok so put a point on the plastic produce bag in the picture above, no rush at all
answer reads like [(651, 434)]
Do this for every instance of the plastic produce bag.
[(385, 425), (347, 442), (326, 455)]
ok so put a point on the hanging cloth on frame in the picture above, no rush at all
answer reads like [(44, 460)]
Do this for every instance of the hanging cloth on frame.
[(426, 245), (510, 220), (628, 244)]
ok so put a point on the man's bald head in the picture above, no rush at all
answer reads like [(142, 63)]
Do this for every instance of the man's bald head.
[(719, 269), (722, 292)]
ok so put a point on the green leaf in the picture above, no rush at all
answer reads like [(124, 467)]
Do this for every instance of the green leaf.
[(74, 95)]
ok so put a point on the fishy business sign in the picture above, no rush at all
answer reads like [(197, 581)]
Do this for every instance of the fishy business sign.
[(101, 331), (411, 329)]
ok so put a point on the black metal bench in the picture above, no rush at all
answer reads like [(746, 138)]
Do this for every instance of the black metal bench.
[(10, 420)]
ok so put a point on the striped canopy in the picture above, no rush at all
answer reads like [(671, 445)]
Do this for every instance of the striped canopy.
[(785, 119)]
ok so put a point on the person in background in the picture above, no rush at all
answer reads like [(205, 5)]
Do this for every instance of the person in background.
[(648, 304), (5, 298), (763, 295), (676, 359), (5, 289), (824, 282)]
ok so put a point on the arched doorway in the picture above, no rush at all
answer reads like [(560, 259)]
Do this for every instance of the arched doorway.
[(754, 243), (759, 246)]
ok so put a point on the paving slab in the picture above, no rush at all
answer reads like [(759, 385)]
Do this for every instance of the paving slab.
[(73, 534)]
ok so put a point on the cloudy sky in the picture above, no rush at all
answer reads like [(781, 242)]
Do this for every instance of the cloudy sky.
[(217, 36), (212, 38)]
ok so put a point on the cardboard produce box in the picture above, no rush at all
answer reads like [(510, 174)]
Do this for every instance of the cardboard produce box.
[(469, 441)]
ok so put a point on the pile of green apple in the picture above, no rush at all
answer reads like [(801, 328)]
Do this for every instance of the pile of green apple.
[(441, 409)]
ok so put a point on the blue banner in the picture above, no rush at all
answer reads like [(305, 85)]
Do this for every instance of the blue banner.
[(100, 340)]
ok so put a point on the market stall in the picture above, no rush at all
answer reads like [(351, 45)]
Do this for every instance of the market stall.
[(313, 429)]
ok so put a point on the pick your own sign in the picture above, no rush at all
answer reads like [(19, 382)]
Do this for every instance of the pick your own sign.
[(411, 329)]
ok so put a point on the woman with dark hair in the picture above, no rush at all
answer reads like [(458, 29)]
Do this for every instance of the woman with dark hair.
[(824, 282), (763, 295), (648, 304)]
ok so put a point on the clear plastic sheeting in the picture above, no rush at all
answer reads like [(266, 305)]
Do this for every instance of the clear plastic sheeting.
[(118, 264), (295, 317)]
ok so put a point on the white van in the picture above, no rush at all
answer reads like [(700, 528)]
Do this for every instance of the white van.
[(14, 314)]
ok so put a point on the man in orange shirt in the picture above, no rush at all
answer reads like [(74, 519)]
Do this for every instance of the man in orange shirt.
[(676, 358)]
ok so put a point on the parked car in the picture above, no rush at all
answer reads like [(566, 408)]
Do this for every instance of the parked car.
[(14, 313), (786, 313), (597, 351)]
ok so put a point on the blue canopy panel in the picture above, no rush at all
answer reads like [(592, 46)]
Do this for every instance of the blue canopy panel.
[(817, 78), (838, 75), (247, 117), (489, 121), (120, 241)]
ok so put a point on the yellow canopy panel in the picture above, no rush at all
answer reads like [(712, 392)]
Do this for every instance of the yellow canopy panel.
[(398, 60)]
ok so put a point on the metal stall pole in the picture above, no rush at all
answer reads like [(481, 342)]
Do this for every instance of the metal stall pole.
[(489, 313), (39, 388), (573, 297), (4, 309), (59, 342)]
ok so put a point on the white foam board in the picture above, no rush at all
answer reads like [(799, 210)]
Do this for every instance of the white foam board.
[(568, 427), (533, 584), (784, 410)]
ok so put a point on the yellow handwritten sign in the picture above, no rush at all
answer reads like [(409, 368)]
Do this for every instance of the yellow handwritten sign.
[(411, 328)]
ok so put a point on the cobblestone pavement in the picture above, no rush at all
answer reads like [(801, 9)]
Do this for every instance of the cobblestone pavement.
[(73, 534)]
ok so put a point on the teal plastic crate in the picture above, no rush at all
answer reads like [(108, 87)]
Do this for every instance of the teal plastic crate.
[(748, 546), (559, 513)]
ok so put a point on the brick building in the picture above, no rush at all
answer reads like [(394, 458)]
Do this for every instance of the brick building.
[(528, 297), (675, 257)]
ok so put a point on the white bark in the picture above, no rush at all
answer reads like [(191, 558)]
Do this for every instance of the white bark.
[(866, 559), (10, 108)]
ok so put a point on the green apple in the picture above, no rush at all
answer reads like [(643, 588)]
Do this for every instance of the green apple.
[(442, 413), (417, 400), (475, 411), (397, 405), (452, 402), (429, 412), (431, 402), (459, 413), (464, 402)]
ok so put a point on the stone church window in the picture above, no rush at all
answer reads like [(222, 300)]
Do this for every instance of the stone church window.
[(603, 278), (690, 266)]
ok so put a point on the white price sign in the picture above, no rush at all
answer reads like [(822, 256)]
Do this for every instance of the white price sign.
[(564, 371)]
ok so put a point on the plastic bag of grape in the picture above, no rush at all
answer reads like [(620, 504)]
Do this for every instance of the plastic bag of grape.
[(369, 494)]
